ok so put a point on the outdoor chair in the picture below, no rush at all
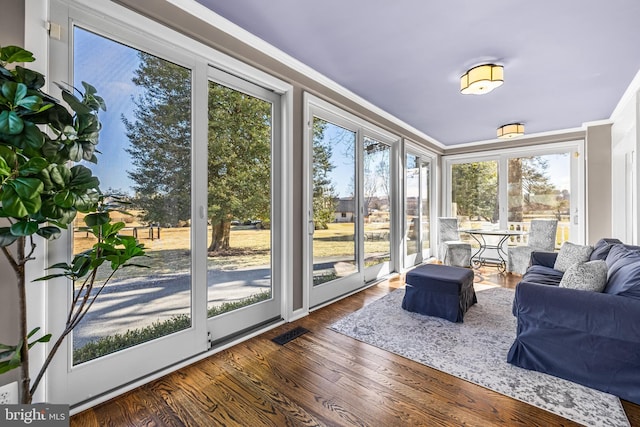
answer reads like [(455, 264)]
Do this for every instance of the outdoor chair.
[(451, 249), (542, 237)]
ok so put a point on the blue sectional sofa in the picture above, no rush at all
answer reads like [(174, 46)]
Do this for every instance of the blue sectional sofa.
[(591, 338)]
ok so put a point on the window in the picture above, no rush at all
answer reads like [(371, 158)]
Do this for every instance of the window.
[(507, 189)]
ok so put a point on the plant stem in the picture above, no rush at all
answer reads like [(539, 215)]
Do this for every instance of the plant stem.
[(25, 393), (52, 353)]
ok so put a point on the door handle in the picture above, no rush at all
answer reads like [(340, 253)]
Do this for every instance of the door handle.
[(311, 227)]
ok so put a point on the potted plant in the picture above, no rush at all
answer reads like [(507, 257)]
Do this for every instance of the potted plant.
[(43, 185)]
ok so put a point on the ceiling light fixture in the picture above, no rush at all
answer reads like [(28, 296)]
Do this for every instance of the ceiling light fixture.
[(512, 130), (482, 79)]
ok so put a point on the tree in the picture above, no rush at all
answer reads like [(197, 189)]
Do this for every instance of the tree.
[(160, 141), (376, 174), (239, 161), (527, 176), (43, 186), (239, 151), (324, 195), (475, 190), (475, 187)]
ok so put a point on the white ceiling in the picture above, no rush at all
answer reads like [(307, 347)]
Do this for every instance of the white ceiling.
[(566, 62)]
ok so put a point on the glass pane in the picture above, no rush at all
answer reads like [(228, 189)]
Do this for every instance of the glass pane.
[(538, 189), (334, 202), (475, 194), (146, 159), (239, 200), (412, 204), (377, 204), (425, 205)]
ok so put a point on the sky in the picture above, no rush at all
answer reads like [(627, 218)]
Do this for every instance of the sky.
[(109, 67)]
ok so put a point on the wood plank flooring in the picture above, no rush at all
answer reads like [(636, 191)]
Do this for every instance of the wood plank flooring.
[(319, 379)]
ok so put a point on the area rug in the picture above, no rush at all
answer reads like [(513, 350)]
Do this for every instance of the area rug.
[(476, 351)]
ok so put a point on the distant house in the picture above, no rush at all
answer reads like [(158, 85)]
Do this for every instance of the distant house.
[(345, 208)]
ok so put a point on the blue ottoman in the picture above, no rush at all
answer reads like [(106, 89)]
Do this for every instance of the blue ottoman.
[(439, 290)]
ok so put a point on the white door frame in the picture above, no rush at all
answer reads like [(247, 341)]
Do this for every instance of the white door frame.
[(92, 381)]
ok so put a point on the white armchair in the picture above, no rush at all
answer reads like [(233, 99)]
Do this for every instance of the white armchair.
[(542, 237), (451, 250)]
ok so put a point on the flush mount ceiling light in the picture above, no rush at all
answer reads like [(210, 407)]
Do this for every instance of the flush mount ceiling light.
[(512, 130), (482, 79)]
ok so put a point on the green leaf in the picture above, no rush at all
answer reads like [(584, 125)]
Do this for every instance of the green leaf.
[(49, 232), (33, 137), (10, 123), (75, 104), (33, 79), (27, 188), (75, 151), (59, 215), (8, 154), (17, 207), (6, 238), (82, 177), (46, 179), (33, 331), (11, 54), (60, 175), (42, 339), (5, 170), (24, 228), (32, 103), (8, 365), (96, 219), (33, 166), (65, 199), (16, 358), (14, 92), (87, 202)]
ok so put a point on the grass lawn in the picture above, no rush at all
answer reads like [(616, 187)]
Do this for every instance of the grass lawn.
[(250, 247)]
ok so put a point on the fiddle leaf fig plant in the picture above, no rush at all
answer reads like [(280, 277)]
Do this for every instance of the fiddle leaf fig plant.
[(43, 185)]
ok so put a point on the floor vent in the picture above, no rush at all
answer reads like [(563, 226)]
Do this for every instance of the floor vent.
[(284, 338)]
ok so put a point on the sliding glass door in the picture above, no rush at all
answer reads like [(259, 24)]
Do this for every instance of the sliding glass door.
[(377, 192), (146, 159), (197, 155), (335, 211), (242, 128), (417, 207), (539, 187), (349, 197)]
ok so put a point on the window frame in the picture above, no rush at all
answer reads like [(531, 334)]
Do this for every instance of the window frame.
[(132, 29), (578, 193)]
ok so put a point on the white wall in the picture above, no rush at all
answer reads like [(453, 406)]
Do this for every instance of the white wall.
[(624, 165)]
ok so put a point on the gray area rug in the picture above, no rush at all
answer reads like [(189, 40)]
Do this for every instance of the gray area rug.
[(476, 351)]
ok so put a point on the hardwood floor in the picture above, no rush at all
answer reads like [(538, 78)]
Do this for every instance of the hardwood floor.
[(320, 378)]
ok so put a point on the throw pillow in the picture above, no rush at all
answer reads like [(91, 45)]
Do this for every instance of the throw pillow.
[(624, 275), (621, 254), (586, 276), (570, 254), (602, 247)]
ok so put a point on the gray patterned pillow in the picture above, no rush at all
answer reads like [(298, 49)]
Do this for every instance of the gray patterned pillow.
[(570, 254), (586, 276)]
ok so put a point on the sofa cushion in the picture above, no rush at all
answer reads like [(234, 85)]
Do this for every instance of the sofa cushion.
[(586, 276), (601, 248), (624, 272), (570, 254), (623, 254), (542, 275)]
